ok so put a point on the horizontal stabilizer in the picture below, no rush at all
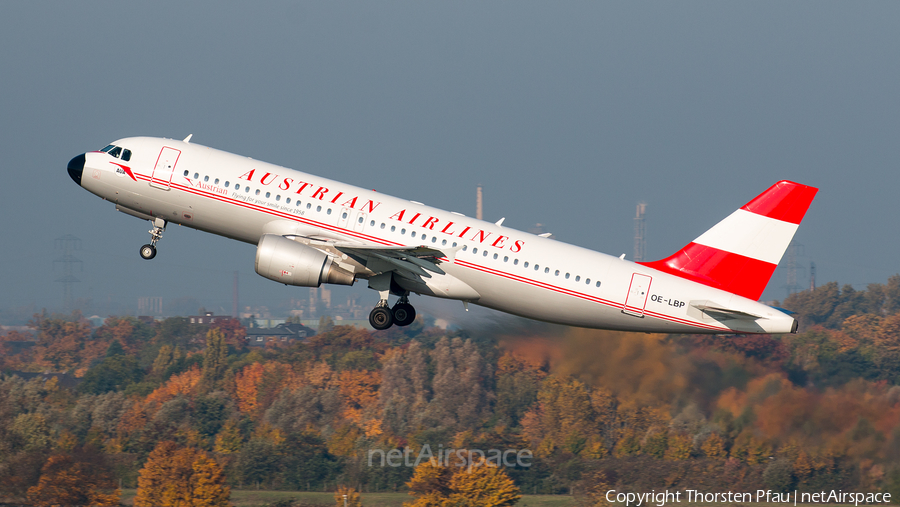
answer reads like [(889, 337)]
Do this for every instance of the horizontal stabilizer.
[(714, 310)]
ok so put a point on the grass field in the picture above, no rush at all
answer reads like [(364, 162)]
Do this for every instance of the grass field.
[(253, 498)]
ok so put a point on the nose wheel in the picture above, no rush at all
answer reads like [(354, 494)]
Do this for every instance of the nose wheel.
[(148, 251)]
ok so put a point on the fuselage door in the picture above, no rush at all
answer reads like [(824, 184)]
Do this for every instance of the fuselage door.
[(164, 168), (345, 217), (636, 299), (360, 223)]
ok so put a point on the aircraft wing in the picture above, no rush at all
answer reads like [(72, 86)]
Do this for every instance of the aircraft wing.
[(412, 262)]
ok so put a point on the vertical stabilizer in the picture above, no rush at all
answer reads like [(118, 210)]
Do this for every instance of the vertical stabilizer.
[(740, 253)]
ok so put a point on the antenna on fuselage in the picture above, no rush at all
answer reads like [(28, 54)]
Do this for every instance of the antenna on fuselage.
[(188, 138)]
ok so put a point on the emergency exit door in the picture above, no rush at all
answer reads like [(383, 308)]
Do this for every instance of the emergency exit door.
[(638, 291), (164, 168)]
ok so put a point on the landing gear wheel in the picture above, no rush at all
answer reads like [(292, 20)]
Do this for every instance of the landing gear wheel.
[(148, 252), (404, 314), (381, 318)]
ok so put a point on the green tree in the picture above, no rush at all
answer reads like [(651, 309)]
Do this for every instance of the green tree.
[(114, 373), (215, 360)]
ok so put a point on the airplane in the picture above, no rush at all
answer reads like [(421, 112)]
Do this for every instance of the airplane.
[(309, 230)]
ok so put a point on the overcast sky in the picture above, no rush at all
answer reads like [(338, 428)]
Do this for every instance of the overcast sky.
[(568, 113)]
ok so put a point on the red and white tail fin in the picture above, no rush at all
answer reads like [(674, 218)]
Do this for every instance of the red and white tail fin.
[(740, 253)]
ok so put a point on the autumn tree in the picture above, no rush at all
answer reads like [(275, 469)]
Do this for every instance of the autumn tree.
[(460, 399), (69, 481), (176, 476), (215, 360), (403, 393), (467, 484)]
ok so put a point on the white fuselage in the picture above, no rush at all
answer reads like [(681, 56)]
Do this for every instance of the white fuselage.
[(510, 270)]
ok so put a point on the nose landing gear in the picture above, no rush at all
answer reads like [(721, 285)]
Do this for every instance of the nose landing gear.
[(148, 251)]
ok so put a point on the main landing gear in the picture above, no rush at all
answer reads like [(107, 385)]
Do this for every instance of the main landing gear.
[(402, 314), (149, 251)]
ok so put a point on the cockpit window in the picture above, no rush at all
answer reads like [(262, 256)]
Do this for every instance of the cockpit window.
[(116, 151), (126, 155), (109, 147)]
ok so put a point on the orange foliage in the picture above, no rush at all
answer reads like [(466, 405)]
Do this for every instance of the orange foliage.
[(179, 477), (359, 389), (184, 383), (247, 387), (65, 481)]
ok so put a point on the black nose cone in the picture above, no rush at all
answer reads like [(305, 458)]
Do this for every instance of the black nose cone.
[(76, 167)]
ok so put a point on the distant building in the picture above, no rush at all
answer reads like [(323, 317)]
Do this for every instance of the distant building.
[(282, 334), (207, 318)]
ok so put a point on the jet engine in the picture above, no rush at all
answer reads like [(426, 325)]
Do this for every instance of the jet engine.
[(291, 263)]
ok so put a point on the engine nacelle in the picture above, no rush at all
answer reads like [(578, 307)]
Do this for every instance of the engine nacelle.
[(289, 262)]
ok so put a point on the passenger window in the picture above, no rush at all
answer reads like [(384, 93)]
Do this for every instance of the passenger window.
[(474, 250), (556, 273), (434, 239), (485, 253), (578, 278), (247, 189), (402, 231), (526, 264), (444, 243), (126, 155), (382, 224), (196, 176), (371, 224), (505, 258), (587, 281), (287, 201), (206, 179), (516, 262), (309, 205), (344, 215), (393, 228), (185, 173), (546, 270), (413, 234), (116, 152), (268, 194), (216, 182), (318, 208), (598, 284), (454, 244), (495, 256), (537, 267), (360, 220), (567, 275), (278, 197), (257, 191), (226, 184), (465, 247)]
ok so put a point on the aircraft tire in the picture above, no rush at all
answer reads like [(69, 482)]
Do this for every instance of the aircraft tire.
[(381, 318), (148, 252), (404, 314)]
